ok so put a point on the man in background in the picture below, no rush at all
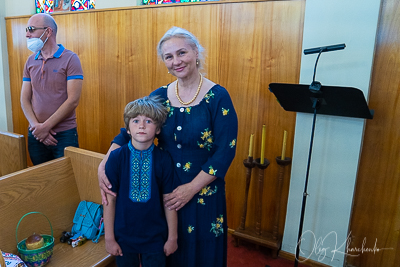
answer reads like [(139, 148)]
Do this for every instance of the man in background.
[(51, 88)]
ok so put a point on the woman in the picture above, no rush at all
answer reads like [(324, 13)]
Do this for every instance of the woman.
[(200, 134)]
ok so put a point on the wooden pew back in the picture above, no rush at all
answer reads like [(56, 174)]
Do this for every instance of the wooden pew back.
[(55, 189), (12, 152), (85, 164), (49, 188)]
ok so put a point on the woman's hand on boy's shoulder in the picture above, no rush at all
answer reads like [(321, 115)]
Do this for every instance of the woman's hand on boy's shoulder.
[(170, 246)]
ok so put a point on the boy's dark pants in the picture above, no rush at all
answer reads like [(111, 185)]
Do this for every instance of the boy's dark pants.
[(147, 260)]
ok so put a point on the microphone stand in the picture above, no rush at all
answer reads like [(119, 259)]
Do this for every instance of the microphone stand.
[(315, 88)]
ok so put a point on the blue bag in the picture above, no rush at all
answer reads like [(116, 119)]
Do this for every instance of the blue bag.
[(88, 220)]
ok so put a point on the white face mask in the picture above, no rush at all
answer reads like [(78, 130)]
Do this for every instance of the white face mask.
[(35, 44)]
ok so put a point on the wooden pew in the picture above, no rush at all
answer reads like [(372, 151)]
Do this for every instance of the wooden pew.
[(12, 152), (55, 189)]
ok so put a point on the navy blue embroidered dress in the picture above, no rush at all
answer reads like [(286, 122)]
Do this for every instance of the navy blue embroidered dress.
[(201, 137)]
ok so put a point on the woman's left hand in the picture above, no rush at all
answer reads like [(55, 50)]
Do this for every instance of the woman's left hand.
[(179, 197)]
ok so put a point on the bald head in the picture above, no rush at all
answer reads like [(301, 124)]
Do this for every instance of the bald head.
[(44, 20)]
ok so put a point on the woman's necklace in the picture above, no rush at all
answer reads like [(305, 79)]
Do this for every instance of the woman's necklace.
[(195, 95)]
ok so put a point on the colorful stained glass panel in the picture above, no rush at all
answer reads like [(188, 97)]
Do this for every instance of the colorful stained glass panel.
[(92, 4), (62, 5), (44, 6), (158, 2), (77, 5)]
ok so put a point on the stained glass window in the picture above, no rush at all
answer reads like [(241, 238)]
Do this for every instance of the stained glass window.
[(158, 2), (79, 5), (82, 5), (44, 6), (62, 5), (92, 4), (49, 6)]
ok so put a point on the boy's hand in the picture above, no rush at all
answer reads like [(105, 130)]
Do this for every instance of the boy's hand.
[(170, 247), (113, 248)]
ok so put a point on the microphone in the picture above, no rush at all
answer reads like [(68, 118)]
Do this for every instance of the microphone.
[(322, 49)]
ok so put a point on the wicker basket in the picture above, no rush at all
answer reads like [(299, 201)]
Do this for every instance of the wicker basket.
[(36, 257)]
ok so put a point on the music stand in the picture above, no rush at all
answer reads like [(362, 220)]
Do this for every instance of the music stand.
[(327, 100)]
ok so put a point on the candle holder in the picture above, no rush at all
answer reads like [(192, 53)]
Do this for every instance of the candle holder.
[(282, 163), (262, 167), (249, 164), (271, 240)]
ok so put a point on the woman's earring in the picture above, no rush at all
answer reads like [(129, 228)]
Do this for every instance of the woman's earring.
[(168, 72), (197, 62)]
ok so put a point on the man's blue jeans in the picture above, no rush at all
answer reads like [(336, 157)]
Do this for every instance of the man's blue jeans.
[(40, 153), (146, 259)]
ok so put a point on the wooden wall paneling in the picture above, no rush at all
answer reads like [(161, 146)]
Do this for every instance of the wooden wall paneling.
[(17, 55), (248, 45), (376, 209), (81, 35), (245, 48), (143, 78), (111, 42), (280, 63), (240, 59)]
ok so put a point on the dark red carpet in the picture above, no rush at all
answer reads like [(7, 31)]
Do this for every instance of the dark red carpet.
[(247, 255)]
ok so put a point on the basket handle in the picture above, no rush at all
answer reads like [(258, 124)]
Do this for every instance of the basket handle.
[(33, 212)]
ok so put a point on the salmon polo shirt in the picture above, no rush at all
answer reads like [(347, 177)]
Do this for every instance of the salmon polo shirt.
[(48, 78)]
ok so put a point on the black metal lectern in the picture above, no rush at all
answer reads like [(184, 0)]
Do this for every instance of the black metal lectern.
[(319, 99)]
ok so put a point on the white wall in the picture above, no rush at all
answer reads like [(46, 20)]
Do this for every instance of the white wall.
[(5, 95), (337, 140)]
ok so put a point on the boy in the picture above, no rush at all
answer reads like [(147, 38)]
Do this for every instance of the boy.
[(138, 228)]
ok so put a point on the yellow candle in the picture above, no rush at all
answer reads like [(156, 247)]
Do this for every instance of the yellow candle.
[(262, 145), (284, 145), (251, 145)]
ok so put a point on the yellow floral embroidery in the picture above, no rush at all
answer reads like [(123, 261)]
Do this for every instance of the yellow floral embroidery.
[(208, 96), (201, 201), (207, 191), (233, 143), (207, 137), (217, 226), (225, 111), (170, 109), (190, 229), (212, 171), (186, 168), (187, 110), (206, 134)]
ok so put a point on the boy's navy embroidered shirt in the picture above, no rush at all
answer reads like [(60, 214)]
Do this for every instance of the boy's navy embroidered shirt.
[(140, 226)]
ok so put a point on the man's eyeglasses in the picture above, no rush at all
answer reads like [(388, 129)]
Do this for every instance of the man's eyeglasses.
[(31, 29)]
